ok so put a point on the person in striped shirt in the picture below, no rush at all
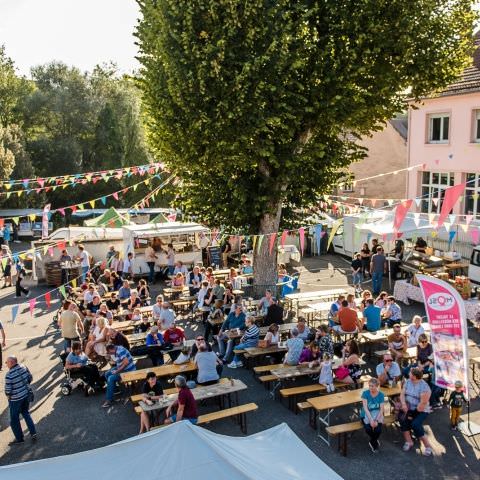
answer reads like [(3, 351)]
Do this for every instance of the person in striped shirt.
[(17, 388), (249, 339)]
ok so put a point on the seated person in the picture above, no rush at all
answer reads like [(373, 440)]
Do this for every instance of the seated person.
[(348, 319), (218, 291), (351, 361), (89, 294), (247, 268), (93, 306), (136, 315), (392, 314), (249, 339), (235, 321), (294, 348), (178, 281), (303, 331), (117, 282), (202, 299), (167, 317), (196, 345), (194, 281), (143, 291), (373, 317), (152, 391), (325, 341), (274, 313), (420, 245), (311, 353), (174, 336), (124, 292), (208, 364), (123, 363), (272, 336), (77, 362), (154, 341), (113, 303), (134, 301), (96, 345), (414, 330), (180, 268), (185, 404), (105, 279), (144, 326), (424, 356), (228, 298), (104, 312), (388, 372), (264, 303), (334, 309), (117, 338), (397, 343)]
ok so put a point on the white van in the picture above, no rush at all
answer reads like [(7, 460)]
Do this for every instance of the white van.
[(474, 267)]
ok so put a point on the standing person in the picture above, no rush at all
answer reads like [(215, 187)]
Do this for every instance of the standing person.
[(365, 255), (123, 363), (456, 401), (203, 243), (326, 373), (150, 259), (18, 391), (415, 406), (378, 266), (19, 289), (357, 266), (3, 343), (71, 325), (375, 246), (110, 255), (6, 234), (6, 266), (226, 249), (170, 259), (64, 258), (373, 413), (128, 267), (185, 404), (84, 258)]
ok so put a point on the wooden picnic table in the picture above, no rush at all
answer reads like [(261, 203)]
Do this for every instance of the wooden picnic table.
[(292, 300), (259, 352), (147, 310), (222, 389), (339, 399), (169, 370)]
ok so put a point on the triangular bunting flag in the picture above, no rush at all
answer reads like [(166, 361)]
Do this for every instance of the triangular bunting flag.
[(273, 237), (62, 291), (32, 303), (48, 299), (14, 312)]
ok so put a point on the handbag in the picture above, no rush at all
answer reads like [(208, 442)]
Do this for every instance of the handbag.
[(342, 372)]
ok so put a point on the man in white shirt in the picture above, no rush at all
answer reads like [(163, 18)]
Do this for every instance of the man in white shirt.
[(388, 371), (150, 259), (128, 267), (84, 258), (167, 316), (157, 308)]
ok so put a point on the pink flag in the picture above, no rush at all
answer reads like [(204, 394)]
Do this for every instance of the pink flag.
[(41, 181), (301, 232), (452, 195), (172, 217), (273, 237), (62, 211), (400, 213), (47, 299), (50, 251), (115, 195), (283, 238), (61, 245), (475, 235), (468, 219), (32, 303)]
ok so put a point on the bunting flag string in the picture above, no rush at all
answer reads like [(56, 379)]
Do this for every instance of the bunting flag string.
[(38, 184)]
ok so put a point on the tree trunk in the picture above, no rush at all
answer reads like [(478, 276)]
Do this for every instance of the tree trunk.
[(265, 265)]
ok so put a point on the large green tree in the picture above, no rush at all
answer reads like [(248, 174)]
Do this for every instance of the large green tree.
[(249, 101)]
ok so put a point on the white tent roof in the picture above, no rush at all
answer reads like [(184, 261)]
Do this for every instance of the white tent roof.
[(169, 228), (385, 226), (181, 451)]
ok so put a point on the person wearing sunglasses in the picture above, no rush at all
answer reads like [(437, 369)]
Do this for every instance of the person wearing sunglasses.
[(424, 356), (388, 372), (199, 339)]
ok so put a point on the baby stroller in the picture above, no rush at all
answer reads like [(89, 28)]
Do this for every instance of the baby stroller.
[(74, 380)]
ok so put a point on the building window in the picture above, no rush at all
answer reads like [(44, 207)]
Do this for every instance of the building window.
[(434, 185), (438, 125), (347, 187), (472, 194), (476, 126)]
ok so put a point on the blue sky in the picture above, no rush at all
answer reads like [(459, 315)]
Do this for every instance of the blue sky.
[(83, 33)]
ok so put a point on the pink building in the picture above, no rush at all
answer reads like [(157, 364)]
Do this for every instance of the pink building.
[(444, 134)]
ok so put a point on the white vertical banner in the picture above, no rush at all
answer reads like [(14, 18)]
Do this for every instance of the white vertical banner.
[(46, 211), (449, 335)]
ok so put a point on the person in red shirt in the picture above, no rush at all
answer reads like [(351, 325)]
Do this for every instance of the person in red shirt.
[(174, 336), (348, 319), (185, 404)]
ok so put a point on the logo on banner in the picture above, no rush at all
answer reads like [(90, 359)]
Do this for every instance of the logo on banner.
[(441, 301)]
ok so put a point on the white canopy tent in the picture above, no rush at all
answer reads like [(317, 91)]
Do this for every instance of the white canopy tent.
[(181, 451), (385, 226)]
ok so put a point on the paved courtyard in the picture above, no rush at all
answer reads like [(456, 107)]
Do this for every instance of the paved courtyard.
[(76, 423)]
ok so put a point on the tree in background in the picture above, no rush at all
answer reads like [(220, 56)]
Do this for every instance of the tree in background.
[(249, 102)]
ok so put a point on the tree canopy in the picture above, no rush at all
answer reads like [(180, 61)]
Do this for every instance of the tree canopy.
[(249, 102)]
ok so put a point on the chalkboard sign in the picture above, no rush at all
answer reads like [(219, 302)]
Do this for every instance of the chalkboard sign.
[(214, 256)]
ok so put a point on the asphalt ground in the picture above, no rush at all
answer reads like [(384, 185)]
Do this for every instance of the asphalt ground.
[(76, 423)]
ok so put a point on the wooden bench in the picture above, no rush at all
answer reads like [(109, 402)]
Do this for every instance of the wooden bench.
[(267, 380), (239, 412), (267, 368), (344, 429)]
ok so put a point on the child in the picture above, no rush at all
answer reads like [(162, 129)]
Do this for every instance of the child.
[(326, 373), (456, 400)]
